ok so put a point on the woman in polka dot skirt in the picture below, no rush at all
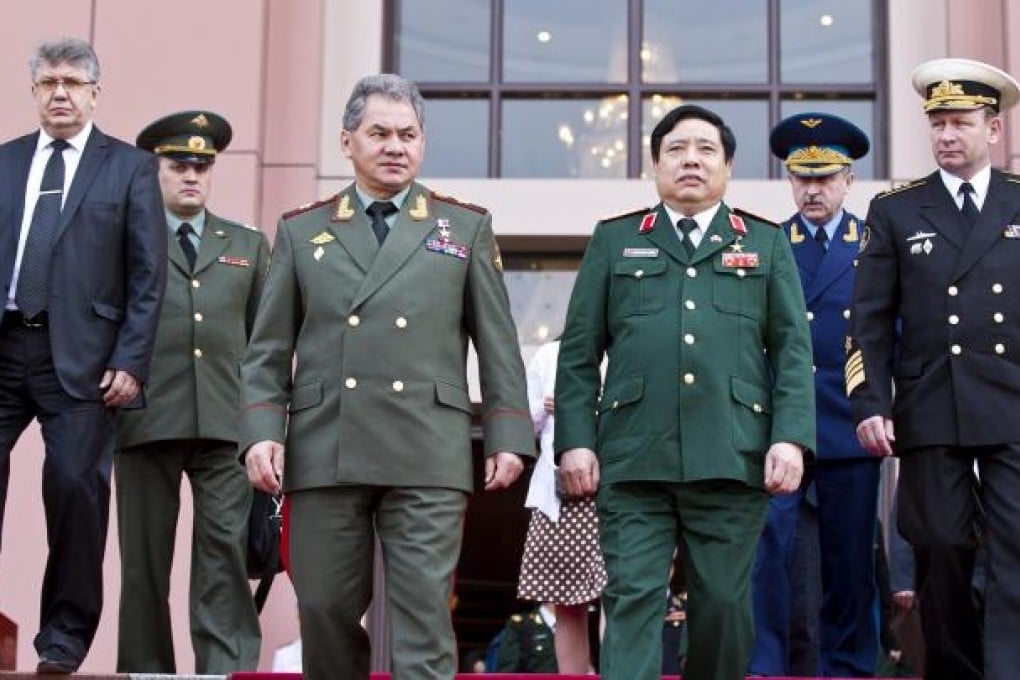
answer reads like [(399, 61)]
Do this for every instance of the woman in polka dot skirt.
[(562, 562)]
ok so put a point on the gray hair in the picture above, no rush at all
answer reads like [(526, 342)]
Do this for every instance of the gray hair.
[(72, 51), (387, 85)]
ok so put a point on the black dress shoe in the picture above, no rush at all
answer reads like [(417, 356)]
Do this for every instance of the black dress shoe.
[(54, 662)]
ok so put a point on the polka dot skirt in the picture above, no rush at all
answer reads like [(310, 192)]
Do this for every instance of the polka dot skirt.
[(562, 561)]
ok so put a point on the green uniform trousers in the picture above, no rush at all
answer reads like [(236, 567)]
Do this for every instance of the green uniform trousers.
[(225, 632), (332, 544), (715, 524)]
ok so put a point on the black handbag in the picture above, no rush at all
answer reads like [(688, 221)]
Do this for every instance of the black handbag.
[(265, 524)]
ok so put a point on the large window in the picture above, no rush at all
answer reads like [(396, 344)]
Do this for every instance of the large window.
[(572, 88)]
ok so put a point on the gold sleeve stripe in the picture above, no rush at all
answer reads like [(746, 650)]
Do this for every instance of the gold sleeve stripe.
[(854, 372)]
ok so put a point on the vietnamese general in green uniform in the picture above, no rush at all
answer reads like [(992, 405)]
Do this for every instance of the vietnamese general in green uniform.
[(708, 402), (358, 365)]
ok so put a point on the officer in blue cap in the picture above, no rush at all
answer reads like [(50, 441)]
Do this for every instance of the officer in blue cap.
[(836, 505)]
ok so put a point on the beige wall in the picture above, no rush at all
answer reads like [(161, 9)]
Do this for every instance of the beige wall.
[(281, 70)]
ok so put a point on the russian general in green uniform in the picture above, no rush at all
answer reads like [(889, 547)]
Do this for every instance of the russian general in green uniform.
[(358, 365), (190, 422), (708, 402)]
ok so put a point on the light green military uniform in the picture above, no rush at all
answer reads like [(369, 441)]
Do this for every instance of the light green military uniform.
[(190, 425), (357, 363), (709, 364)]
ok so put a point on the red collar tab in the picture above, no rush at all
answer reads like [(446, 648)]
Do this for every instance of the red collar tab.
[(737, 222), (647, 223)]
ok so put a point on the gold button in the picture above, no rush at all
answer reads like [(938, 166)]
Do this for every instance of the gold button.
[(198, 353), (195, 283), (956, 349), (689, 339), (688, 378), (846, 313), (198, 316), (953, 319), (689, 304), (998, 317), (953, 290), (353, 320), (400, 322), (639, 273), (692, 272), (810, 316), (855, 263), (757, 408), (741, 273), (398, 386), (996, 288), (351, 383), (1000, 348)]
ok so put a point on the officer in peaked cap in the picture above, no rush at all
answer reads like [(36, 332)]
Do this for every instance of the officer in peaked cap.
[(837, 504), (188, 136), (189, 426), (933, 363)]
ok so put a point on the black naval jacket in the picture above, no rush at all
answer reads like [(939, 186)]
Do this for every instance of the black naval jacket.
[(954, 295)]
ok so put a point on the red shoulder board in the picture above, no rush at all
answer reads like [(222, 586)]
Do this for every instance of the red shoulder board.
[(308, 206), (752, 216), (453, 201), (647, 223)]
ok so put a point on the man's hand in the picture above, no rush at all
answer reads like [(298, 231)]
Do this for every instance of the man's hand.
[(876, 435), (905, 599), (579, 472), (784, 468), (264, 463), (118, 387), (502, 469)]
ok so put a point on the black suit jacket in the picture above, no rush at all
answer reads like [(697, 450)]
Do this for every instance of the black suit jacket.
[(937, 310), (109, 262)]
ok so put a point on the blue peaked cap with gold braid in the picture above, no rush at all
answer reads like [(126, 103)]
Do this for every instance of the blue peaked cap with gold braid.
[(817, 144)]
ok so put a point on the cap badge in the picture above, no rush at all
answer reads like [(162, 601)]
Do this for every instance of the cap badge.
[(811, 123), (196, 143), (200, 121)]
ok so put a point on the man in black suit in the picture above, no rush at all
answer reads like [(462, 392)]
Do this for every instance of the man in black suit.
[(83, 260), (936, 312)]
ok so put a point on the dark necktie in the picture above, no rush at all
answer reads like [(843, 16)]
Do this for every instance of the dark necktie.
[(184, 238), (379, 211), (822, 237), (33, 277), (686, 226), (969, 209)]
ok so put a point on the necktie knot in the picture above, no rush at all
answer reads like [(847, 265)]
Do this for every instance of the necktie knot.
[(969, 207), (821, 236), (687, 225), (185, 229), (380, 210), (58, 145)]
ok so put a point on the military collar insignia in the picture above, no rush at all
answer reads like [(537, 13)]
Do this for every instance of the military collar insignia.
[(737, 223), (851, 235), (420, 211), (795, 234), (647, 223), (344, 211)]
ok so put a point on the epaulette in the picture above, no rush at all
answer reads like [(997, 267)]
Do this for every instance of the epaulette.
[(308, 206), (752, 216), (902, 187), (628, 213), (453, 201)]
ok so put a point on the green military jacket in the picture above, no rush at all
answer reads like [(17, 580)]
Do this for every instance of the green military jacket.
[(358, 358), (709, 355), (205, 320)]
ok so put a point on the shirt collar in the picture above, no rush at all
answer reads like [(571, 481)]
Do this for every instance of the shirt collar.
[(197, 222), (367, 199), (703, 218), (830, 227), (77, 142), (979, 181)]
